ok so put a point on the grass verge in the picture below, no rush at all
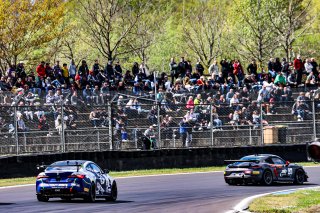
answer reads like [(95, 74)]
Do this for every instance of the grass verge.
[(306, 201), (30, 180)]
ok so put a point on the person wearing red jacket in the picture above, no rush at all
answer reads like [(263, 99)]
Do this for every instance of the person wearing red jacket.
[(298, 67), (41, 70)]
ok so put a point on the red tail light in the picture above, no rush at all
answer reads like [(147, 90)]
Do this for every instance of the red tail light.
[(77, 176), (42, 176), (247, 172)]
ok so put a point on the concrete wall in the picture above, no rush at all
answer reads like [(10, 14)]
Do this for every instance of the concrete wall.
[(24, 166)]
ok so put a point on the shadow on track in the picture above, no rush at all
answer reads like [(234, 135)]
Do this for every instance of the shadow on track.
[(275, 184), (6, 204), (98, 201)]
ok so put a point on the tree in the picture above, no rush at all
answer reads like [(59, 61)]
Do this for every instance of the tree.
[(109, 22), (144, 33), (254, 34), (202, 31), (26, 26), (290, 20)]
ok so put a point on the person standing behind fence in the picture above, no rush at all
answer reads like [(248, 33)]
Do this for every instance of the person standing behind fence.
[(173, 70), (72, 69), (183, 131), (214, 70), (298, 67), (150, 133), (41, 70)]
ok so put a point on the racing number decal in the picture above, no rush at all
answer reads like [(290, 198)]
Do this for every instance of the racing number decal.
[(286, 172), (283, 173)]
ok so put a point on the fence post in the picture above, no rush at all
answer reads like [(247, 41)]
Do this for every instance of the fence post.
[(159, 122), (62, 129), (261, 125), (16, 129), (211, 126), (314, 120), (250, 136), (98, 139), (109, 106)]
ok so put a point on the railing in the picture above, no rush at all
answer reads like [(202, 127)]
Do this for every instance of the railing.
[(121, 126)]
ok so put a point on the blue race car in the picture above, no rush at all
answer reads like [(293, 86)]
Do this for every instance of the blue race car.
[(264, 169), (75, 179)]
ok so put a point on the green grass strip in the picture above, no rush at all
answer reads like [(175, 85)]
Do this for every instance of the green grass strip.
[(307, 201)]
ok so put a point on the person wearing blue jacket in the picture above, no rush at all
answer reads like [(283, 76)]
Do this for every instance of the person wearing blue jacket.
[(183, 130)]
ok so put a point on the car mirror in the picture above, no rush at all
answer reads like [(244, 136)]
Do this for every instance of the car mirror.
[(287, 163), (106, 171)]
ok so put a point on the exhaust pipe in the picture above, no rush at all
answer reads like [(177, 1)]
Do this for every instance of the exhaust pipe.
[(314, 151)]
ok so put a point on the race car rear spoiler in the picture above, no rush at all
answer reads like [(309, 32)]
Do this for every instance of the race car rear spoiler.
[(43, 166), (241, 161)]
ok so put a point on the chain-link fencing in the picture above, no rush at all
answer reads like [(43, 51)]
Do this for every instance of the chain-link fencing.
[(145, 122)]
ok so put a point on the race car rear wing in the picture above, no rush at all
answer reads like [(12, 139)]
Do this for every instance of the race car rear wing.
[(43, 166), (241, 161)]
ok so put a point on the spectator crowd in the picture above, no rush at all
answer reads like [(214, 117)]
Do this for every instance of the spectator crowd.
[(228, 89)]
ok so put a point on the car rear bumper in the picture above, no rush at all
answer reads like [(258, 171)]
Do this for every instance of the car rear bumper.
[(247, 178), (65, 192)]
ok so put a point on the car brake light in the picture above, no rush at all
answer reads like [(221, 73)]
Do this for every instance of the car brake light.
[(77, 176), (42, 176)]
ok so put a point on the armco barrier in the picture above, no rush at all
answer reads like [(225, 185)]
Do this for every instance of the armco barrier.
[(24, 166)]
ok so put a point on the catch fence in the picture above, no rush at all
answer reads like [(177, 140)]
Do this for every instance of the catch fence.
[(128, 122)]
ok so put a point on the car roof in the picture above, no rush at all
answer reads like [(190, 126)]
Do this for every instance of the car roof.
[(262, 156), (69, 162)]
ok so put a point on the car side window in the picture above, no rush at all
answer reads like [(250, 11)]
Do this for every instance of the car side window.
[(269, 160), (277, 161), (95, 168), (89, 168)]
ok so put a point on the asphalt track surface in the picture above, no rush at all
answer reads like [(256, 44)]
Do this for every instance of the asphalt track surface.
[(202, 192)]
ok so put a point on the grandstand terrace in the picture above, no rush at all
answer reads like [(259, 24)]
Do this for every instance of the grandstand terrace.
[(117, 112)]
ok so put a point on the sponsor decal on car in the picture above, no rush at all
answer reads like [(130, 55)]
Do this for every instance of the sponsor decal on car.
[(255, 172)]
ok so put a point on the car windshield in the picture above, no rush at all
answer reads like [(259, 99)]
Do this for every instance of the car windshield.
[(54, 168), (247, 158)]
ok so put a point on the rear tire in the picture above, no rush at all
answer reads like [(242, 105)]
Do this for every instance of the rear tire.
[(91, 197), (41, 198), (299, 177), (114, 192), (267, 178)]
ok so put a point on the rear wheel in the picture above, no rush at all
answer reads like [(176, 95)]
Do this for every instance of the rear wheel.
[(42, 198), (267, 178), (299, 177), (114, 192), (91, 197)]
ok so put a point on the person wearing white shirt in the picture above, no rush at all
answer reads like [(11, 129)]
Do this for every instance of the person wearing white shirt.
[(214, 70), (308, 66), (72, 69)]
